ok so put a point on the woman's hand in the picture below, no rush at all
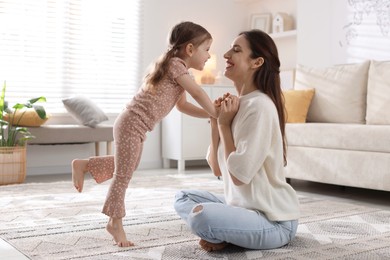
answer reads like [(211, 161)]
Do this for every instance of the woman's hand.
[(219, 100), (228, 110)]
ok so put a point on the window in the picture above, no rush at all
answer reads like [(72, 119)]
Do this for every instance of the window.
[(60, 48)]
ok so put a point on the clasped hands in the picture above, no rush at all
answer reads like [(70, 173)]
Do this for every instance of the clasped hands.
[(227, 107)]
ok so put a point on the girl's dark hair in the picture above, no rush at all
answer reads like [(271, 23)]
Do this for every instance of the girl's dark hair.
[(267, 77), (181, 35)]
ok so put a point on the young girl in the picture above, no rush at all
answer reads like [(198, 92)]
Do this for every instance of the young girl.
[(163, 88), (259, 209)]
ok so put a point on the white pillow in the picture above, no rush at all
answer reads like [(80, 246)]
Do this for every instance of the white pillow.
[(378, 93), (84, 111), (340, 92)]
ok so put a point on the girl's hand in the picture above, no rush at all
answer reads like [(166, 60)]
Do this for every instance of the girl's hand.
[(229, 108), (219, 100)]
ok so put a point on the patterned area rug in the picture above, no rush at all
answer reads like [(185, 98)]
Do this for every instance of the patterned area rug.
[(52, 221)]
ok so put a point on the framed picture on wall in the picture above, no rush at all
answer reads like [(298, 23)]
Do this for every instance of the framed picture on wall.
[(261, 22)]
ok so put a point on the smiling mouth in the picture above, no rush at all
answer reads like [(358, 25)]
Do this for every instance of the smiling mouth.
[(229, 65)]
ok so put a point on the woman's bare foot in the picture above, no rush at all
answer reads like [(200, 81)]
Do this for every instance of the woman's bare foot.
[(212, 247), (79, 168), (115, 228)]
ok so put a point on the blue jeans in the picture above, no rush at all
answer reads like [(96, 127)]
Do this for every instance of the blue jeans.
[(217, 222)]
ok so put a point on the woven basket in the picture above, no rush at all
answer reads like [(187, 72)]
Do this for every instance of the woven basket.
[(12, 165)]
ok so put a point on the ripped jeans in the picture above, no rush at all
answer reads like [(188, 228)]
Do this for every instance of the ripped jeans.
[(210, 218)]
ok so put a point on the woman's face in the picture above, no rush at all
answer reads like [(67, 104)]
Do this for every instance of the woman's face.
[(238, 61)]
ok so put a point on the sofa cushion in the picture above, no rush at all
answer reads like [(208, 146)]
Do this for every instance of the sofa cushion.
[(340, 92), (372, 138), (378, 93), (297, 104), (60, 134), (84, 110), (369, 170), (26, 117)]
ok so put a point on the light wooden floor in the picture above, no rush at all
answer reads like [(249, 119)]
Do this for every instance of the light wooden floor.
[(372, 198)]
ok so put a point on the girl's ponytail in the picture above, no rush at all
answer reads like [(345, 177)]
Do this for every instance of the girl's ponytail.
[(160, 69)]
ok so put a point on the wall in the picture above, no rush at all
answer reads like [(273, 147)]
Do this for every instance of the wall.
[(321, 39), (341, 31), (160, 16), (287, 46), (223, 18)]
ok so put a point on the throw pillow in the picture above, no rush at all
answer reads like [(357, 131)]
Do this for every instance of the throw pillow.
[(26, 117), (340, 92), (378, 93), (84, 110), (297, 104)]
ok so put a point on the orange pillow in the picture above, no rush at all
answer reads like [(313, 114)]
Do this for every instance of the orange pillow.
[(297, 103), (30, 118)]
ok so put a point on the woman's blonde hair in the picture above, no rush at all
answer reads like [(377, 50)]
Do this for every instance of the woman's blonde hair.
[(181, 35)]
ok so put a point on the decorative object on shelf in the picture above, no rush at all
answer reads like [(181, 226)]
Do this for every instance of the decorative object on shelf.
[(208, 76), (282, 22), (219, 78), (261, 21), (286, 34), (13, 138)]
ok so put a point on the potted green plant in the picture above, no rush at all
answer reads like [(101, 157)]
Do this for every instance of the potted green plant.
[(13, 137)]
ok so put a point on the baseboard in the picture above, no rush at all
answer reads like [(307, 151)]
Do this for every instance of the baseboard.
[(49, 170)]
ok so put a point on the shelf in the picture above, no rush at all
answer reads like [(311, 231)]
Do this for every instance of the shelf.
[(286, 34)]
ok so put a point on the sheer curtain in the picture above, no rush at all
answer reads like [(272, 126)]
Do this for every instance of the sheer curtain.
[(61, 48)]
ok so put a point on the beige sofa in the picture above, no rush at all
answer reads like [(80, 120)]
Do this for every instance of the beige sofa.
[(346, 137)]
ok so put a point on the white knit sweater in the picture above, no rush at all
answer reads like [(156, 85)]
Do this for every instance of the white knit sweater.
[(258, 161)]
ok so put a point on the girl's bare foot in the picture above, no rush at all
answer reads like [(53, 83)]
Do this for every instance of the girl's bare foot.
[(79, 168), (115, 228), (212, 247)]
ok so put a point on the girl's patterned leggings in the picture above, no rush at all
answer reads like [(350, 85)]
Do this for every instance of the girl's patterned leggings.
[(129, 137)]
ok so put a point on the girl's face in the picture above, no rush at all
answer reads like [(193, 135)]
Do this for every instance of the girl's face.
[(239, 65), (200, 55)]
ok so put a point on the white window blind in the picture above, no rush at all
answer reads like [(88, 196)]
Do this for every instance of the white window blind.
[(61, 48)]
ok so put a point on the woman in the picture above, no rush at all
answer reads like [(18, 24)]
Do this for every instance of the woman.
[(259, 209)]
